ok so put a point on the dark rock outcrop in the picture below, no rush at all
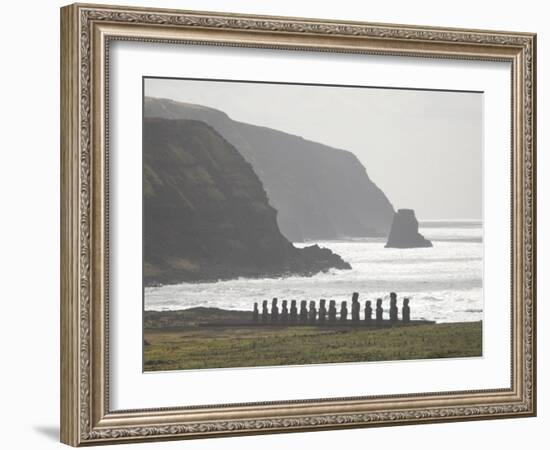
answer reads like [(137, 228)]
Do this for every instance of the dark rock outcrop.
[(206, 215), (306, 182), (404, 231)]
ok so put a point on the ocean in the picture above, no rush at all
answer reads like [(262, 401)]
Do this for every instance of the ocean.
[(444, 283)]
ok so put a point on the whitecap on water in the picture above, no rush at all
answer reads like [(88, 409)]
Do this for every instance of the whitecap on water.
[(435, 279)]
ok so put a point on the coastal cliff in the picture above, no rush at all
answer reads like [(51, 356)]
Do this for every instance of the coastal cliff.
[(404, 231), (319, 192), (206, 215)]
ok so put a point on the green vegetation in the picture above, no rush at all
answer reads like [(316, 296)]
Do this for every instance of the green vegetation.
[(181, 344)]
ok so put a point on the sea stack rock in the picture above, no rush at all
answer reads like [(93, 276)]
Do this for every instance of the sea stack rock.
[(404, 231)]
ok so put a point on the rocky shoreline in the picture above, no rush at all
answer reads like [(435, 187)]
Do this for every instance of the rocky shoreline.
[(205, 317), (206, 213)]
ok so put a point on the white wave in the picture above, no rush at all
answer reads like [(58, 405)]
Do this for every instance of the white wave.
[(444, 282)]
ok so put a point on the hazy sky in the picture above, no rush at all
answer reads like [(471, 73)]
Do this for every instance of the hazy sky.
[(422, 148)]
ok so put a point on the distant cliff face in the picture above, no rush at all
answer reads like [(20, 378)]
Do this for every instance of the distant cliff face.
[(206, 215), (404, 231), (319, 192)]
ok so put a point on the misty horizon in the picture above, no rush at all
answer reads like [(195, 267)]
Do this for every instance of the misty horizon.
[(420, 219), (439, 173)]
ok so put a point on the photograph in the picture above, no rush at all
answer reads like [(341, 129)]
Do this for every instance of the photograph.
[(288, 220), (295, 224)]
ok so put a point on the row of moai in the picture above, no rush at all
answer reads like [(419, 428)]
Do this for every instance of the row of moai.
[(322, 315)]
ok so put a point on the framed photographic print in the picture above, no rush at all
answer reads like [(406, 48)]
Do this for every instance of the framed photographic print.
[(275, 224)]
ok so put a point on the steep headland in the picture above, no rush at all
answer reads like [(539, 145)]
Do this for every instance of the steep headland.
[(319, 192), (206, 215)]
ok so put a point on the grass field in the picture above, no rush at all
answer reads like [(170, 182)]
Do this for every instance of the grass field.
[(175, 341)]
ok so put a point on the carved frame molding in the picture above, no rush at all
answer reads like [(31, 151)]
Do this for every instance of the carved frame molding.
[(86, 31)]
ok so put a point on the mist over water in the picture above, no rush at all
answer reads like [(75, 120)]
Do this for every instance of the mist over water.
[(444, 283)]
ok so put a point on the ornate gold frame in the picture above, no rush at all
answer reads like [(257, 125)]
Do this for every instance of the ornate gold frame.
[(86, 31)]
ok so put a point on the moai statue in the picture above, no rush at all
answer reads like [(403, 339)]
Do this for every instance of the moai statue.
[(332, 311), (355, 307), (274, 311), (344, 312), (322, 311), (255, 313), (303, 312), (312, 313), (265, 313), (406, 312), (393, 307), (368, 312), (379, 311), (284, 312), (293, 312)]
